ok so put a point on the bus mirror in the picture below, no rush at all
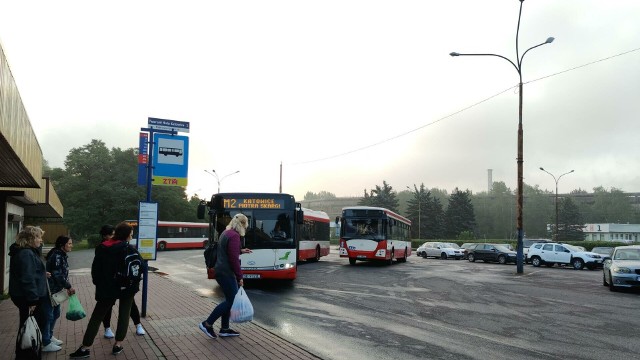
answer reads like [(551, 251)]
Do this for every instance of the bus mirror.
[(300, 216), (202, 208)]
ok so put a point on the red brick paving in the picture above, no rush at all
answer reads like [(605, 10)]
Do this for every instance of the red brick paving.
[(173, 314)]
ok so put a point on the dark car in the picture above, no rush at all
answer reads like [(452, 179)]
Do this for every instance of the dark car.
[(605, 251), (466, 247), (492, 252)]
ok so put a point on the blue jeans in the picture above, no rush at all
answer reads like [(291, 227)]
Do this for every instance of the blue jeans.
[(52, 313), (229, 286)]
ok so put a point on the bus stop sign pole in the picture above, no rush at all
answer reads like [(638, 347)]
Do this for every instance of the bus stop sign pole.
[(145, 271)]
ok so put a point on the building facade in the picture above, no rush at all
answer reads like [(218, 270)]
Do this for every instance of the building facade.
[(24, 191), (627, 233)]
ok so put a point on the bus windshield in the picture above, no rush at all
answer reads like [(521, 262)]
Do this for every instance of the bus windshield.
[(269, 229), (363, 228)]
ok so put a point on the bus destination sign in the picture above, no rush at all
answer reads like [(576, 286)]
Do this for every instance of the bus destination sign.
[(251, 203)]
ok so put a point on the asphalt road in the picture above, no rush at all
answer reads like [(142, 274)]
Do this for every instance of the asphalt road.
[(436, 309)]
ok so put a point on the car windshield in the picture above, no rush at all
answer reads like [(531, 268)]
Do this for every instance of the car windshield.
[(602, 250), (627, 254), (573, 248), (452, 245)]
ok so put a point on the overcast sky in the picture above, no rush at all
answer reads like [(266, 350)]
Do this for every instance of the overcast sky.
[(344, 93)]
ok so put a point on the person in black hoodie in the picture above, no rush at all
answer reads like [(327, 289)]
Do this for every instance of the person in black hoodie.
[(58, 267), (27, 277), (103, 273)]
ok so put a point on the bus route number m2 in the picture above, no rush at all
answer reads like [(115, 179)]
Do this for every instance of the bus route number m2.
[(230, 203)]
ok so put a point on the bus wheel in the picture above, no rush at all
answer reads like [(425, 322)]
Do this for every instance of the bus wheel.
[(205, 244), (352, 261), (162, 246), (404, 259), (317, 257), (391, 256)]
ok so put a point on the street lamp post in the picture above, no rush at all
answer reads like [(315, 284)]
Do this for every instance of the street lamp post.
[(519, 160), (219, 180), (419, 198), (555, 232)]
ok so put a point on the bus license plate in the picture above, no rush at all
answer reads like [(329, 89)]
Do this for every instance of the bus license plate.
[(251, 276), (361, 256)]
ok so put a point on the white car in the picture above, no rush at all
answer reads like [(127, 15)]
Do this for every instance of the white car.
[(558, 253), (439, 250)]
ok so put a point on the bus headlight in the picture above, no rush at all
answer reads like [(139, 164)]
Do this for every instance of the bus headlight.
[(284, 266)]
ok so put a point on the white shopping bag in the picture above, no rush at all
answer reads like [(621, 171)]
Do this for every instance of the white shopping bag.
[(241, 310)]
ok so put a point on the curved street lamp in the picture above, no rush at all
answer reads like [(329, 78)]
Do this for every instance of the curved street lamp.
[(518, 66), (555, 232), (219, 180)]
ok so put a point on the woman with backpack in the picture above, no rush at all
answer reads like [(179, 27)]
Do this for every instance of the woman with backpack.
[(107, 275), (228, 275), (107, 232)]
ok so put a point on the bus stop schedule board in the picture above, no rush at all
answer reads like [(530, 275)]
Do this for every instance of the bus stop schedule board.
[(147, 230)]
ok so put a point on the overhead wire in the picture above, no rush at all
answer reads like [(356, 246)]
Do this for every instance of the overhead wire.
[(460, 111)]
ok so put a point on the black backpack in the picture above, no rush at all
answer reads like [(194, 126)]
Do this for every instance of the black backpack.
[(211, 254), (129, 271)]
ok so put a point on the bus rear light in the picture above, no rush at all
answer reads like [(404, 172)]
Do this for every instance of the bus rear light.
[(381, 253)]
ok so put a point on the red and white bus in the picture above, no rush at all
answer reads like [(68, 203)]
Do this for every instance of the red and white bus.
[(374, 233), (177, 235), (273, 233), (314, 236)]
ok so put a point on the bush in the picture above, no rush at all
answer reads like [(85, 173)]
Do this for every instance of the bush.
[(94, 240)]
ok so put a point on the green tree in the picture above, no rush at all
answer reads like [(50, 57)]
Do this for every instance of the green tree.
[(381, 197), (99, 186), (539, 204), (459, 215), (570, 222), (426, 214), (322, 195), (495, 212)]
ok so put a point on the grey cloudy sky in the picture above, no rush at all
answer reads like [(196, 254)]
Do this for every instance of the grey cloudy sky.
[(308, 83)]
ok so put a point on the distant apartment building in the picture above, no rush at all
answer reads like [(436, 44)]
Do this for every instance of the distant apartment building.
[(612, 232)]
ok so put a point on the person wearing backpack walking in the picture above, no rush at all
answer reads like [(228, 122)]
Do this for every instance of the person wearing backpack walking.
[(107, 232), (228, 275), (116, 274)]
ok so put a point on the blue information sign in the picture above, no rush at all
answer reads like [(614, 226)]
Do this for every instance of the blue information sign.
[(170, 160)]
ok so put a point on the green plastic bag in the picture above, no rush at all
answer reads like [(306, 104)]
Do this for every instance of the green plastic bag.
[(75, 311)]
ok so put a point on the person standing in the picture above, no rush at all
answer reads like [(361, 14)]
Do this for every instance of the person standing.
[(108, 256), (228, 275), (27, 278), (107, 232), (58, 266)]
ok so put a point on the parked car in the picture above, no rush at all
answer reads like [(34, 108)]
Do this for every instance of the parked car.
[(492, 252), (438, 250), (622, 269), (466, 247), (603, 250), (526, 244), (558, 253)]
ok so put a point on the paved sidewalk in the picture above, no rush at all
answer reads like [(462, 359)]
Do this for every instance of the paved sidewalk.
[(173, 314)]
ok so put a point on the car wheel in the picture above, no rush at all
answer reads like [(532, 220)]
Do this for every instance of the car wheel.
[(471, 258), (502, 259), (424, 255), (536, 261), (611, 286), (577, 263), (352, 261), (443, 256), (604, 280)]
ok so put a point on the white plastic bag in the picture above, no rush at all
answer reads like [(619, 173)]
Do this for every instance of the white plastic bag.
[(241, 310), (29, 335)]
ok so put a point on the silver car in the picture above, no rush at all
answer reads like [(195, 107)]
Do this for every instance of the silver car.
[(622, 269)]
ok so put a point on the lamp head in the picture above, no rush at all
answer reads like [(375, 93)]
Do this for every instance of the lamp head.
[(458, 54), (541, 168), (549, 40), (571, 171)]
